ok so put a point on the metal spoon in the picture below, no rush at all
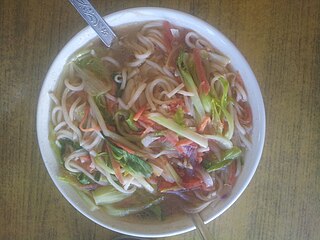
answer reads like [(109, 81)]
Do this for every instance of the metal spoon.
[(93, 18), (202, 229)]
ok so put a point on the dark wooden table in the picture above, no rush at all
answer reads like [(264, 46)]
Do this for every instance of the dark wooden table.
[(281, 41)]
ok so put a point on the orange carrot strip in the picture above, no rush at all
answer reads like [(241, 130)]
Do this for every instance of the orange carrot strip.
[(183, 142), (139, 113), (204, 123), (124, 148), (95, 126), (117, 170)]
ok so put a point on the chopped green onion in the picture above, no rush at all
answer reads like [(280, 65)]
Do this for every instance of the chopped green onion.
[(189, 83), (182, 131)]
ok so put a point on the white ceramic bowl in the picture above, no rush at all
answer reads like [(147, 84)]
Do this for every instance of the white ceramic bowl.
[(175, 225)]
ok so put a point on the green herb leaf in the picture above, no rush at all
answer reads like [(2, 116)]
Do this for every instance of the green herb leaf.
[(65, 142), (228, 156), (83, 179), (232, 153), (131, 123), (131, 162)]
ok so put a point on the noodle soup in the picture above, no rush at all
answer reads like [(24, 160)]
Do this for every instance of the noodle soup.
[(156, 124)]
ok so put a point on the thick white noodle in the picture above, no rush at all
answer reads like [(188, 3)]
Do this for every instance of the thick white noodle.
[(72, 87), (136, 95), (59, 126), (110, 97), (241, 93), (167, 72), (136, 63), (154, 24), (174, 91), (237, 123), (156, 66), (190, 38), (73, 107), (116, 186), (111, 60), (80, 169), (64, 134), (185, 93), (134, 72), (150, 88), (54, 98), (89, 146), (57, 110), (200, 43), (157, 42), (219, 59), (124, 79), (66, 115), (222, 141), (74, 156), (156, 33)]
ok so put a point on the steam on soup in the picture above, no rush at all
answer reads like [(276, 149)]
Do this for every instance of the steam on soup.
[(158, 118)]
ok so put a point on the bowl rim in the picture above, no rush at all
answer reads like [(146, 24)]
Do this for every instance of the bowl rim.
[(258, 97)]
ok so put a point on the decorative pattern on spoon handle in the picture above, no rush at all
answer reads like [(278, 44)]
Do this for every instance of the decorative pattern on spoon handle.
[(92, 17)]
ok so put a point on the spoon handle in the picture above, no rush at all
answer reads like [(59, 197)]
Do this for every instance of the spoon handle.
[(202, 229), (92, 17)]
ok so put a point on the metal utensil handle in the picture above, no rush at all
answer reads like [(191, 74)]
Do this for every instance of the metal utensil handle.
[(198, 222), (93, 18)]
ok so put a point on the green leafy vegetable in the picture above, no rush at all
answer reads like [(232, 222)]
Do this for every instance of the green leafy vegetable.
[(182, 131), (124, 211), (66, 143), (83, 179), (232, 153), (91, 63), (107, 195), (102, 160), (130, 162), (86, 197), (126, 126), (228, 156), (131, 123), (107, 117)]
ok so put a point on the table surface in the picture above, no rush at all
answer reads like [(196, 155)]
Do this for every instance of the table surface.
[(281, 41)]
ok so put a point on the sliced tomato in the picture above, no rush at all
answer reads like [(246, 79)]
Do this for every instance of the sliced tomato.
[(191, 182), (164, 186)]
